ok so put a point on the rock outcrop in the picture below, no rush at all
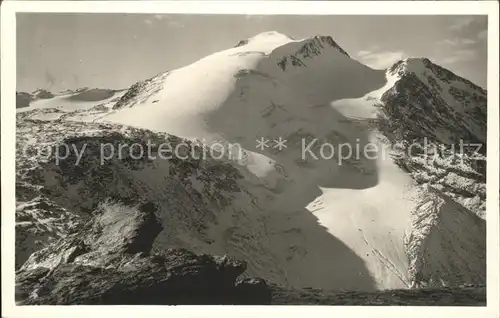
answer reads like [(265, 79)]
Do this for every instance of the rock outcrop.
[(108, 261)]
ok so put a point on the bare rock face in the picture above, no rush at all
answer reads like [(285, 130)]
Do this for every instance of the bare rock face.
[(108, 261), (115, 230), (39, 221)]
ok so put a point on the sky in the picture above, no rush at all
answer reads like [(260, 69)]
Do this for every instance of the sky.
[(68, 51)]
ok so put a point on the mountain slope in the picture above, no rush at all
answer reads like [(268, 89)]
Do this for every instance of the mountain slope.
[(295, 90), (270, 88)]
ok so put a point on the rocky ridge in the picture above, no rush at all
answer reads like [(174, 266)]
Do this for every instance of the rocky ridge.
[(62, 171), (436, 122)]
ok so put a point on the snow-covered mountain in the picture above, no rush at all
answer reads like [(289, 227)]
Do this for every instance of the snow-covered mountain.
[(60, 100), (301, 215), (24, 99)]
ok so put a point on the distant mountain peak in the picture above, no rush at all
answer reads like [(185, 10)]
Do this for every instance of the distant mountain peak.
[(429, 101), (329, 41), (42, 94), (424, 67), (409, 65), (268, 36), (314, 43)]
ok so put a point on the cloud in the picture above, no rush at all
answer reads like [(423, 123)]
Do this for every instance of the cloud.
[(160, 17), (382, 59), (482, 35), (364, 53), (175, 24), (461, 23), (457, 42), (460, 56), (254, 17), (468, 41)]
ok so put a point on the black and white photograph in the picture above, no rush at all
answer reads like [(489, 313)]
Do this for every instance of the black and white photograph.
[(250, 159)]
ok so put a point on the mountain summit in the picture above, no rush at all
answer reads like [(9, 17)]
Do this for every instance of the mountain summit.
[(275, 38)]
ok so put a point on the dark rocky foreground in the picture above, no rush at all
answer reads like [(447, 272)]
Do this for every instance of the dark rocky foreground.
[(177, 277), (108, 261), (446, 296)]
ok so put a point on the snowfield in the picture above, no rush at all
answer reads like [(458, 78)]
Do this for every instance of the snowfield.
[(299, 218), (73, 105)]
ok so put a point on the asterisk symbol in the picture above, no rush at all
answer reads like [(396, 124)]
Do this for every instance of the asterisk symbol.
[(280, 143), (262, 143)]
